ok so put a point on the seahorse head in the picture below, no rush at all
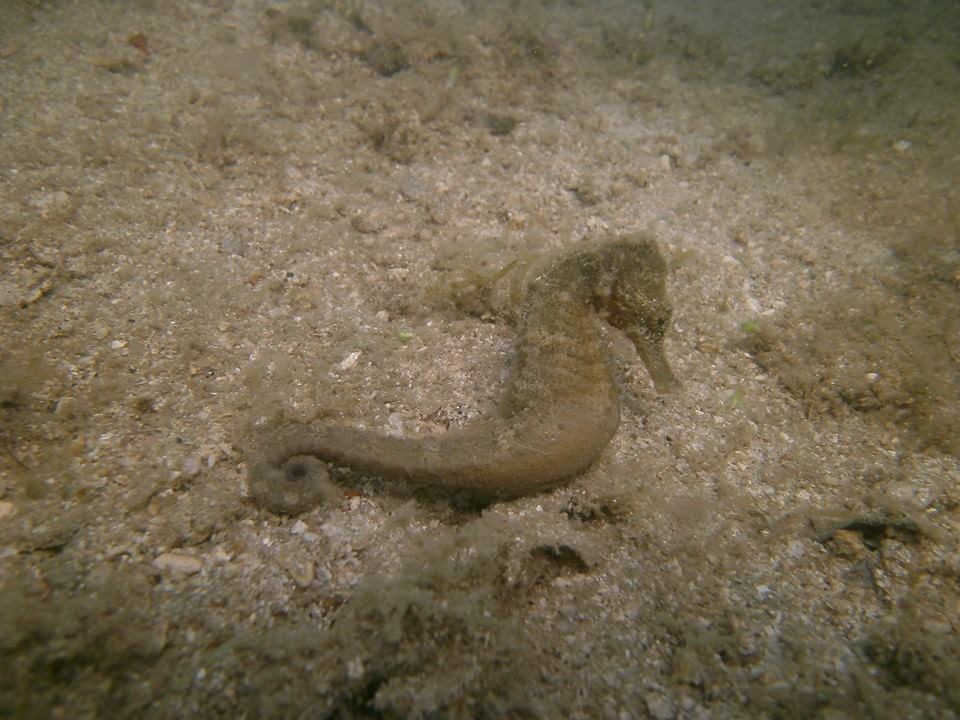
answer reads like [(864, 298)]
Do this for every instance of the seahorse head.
[(632, 296)]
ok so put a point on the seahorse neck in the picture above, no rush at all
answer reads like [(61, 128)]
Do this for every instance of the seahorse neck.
[(557, 354)]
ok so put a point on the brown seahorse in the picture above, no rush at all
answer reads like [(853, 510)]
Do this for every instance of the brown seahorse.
[(557, 414)]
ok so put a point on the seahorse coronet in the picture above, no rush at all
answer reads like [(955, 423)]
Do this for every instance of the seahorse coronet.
[(558, 412)]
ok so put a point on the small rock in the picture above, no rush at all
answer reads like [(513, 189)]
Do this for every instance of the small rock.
[(52, 204), (221, 555), (349, 361), (395, 425), (179, 563), (303, 575), (659, 706), (368, 222), (67, 408), (191, 466), (796, 549), (355, 668)]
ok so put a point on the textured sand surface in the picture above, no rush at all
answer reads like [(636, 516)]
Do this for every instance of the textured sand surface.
[(220, 216)]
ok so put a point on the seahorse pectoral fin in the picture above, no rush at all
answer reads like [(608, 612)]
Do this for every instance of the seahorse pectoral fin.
[(654, 358)]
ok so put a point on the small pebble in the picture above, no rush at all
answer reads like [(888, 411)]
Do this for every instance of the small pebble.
[(659, 706), (368, 223), (179, 563), (303, 575), (349, 361), (51, 203), (355, 668), (796, 549), (395, 425), (221, 555), (191, 466), (67, 408)]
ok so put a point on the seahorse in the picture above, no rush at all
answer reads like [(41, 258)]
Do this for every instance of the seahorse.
[(558, 412)]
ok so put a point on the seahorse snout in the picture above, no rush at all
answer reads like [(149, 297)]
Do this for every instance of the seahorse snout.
[(654, 358)]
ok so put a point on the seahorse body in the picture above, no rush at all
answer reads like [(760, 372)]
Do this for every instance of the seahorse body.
[(557, 414)]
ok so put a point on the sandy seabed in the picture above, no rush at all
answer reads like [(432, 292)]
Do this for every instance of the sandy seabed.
[(217, 216)]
